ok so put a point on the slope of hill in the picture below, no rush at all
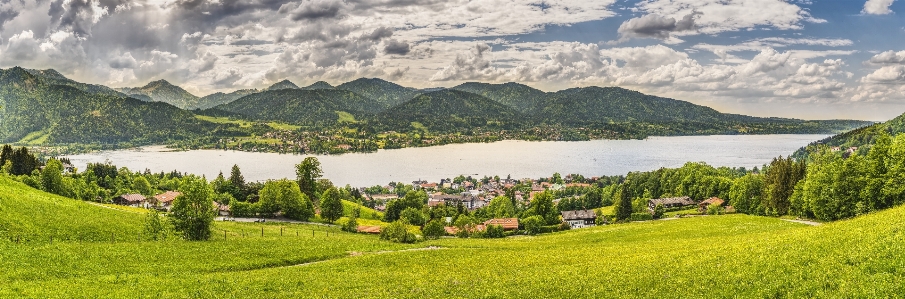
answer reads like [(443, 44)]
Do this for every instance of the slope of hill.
[(51, 76), (614, 104), (387, 94), (860, 138), (163, 91), (35, 215), (519, 96), (297, 106), (216, 99), (285, 84), (450, 111), (64, 114)]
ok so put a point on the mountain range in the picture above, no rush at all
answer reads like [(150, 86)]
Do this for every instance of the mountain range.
[(46, 103)]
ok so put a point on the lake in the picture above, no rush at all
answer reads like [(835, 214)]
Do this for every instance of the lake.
[(520, 159)]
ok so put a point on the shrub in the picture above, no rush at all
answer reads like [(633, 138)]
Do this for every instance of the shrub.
[(413, 216), (533, 224), (714, 209), (351, 225), (564, 226), (494, 231), (659, 210), (397, 232), (641, 217), (434, 229)]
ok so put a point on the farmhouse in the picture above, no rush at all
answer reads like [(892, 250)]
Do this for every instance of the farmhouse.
[(702, 206), (672, 202), (165, 200), (579, 218), (132, 200)]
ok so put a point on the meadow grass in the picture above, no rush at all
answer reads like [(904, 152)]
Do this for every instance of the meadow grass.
[(715, 256)]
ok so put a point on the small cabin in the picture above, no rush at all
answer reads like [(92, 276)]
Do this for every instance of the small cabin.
[(702, 206), (579, 218), (672, 202)]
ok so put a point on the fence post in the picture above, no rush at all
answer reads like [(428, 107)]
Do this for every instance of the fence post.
[(224, 235), (262, 231), (281, 231), (112, 238)]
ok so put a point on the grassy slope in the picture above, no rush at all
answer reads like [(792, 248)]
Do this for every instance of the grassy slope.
[(34, 215), (722, 256)]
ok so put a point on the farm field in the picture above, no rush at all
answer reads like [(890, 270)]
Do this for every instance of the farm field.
[(714, 256)]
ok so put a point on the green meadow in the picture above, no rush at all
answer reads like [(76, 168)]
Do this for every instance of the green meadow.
[(693, 257)]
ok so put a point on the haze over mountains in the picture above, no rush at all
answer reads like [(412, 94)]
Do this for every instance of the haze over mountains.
[(45, 103)]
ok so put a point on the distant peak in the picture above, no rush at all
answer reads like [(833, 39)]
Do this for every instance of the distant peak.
[(285, 84), (320, 85)]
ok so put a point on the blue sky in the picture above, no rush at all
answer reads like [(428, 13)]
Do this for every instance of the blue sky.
[(792, 58)]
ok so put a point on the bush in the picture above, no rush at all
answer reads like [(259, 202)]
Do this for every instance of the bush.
[(641, 217), (243, 209), (564, 226), (413, 216), (351, 225), (434, 229), (397, 232), (494, 231), (533, 224), (714, 209), (659, 210)]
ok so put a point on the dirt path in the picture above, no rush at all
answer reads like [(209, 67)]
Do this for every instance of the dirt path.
[(812, 223), (356, 253)]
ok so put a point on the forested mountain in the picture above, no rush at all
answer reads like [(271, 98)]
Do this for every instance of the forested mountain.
[(614, 104), (519, 96), (285, 84), (34, 106), (51, 76), (387, 94), (163, 91), (298, 106), (220, 98), (318, 85), (860, 138), (450, 111)]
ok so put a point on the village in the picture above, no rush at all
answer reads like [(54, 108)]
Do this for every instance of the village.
[(470, 196)]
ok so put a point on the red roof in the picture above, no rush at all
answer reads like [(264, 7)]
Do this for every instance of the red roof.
[(506, 223), (132, 197), (369, 229), (167, 197)]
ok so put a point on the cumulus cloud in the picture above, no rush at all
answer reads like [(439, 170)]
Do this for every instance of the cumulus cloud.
[(125, 61), (77, 16), (732, 15), (656, 26), (877, 7), (395, 47), (313, 9), (888, 57)]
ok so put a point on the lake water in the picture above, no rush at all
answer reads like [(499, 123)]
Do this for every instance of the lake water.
[(521, 159)]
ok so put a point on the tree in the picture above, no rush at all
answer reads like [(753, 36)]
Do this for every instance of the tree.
[(746, 194), (236, 186), (494, 231), (542, 205), (52, 177), (141, 185), (412, 199), (155, 228), (780, 179), (500, 207), (413, 216), (331, 205), (624, 204), (193, 211), (6, 154), (434, 229), (24, 163), (659, 210), (351, 225), (307, 174), (284, 196), (533, 224)]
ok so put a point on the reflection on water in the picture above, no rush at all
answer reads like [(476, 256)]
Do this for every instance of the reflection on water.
[(517, 158)]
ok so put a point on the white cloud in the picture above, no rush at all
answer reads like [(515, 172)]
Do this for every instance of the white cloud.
[(888, 57), (732, 15), (877, 7)]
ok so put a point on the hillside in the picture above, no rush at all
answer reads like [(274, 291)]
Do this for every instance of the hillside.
[(297, 106), (614, 104), (35, 215), (51, 76), (163, 91), (519, 96), (285, 84), (861, 138), (30, 105), (387, 94), (450, 111), (220, 98)]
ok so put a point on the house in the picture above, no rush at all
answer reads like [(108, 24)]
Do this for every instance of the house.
[(132, 200), (672, 202), (222, 210), (507, 223), (579, 218), (702, 206), (165, 200), (429, 186)]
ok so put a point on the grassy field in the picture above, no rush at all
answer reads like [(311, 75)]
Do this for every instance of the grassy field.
[(714, 256), (244, 123)]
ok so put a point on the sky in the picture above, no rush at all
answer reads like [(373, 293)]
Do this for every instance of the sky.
[(808, 59)]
